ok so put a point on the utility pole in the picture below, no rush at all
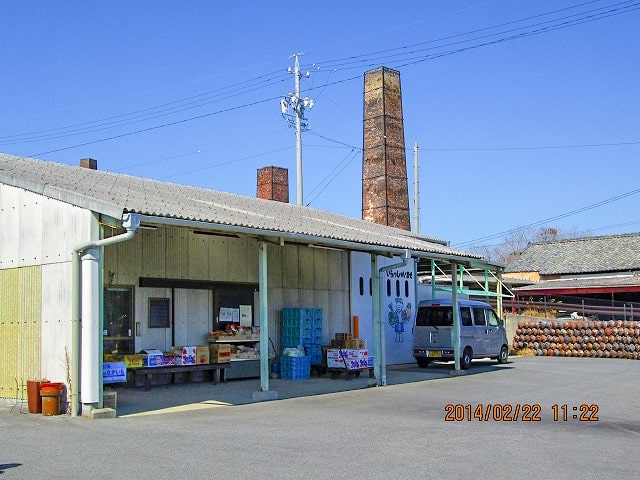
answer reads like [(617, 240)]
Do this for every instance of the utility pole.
[(416, 191), (292, 107)]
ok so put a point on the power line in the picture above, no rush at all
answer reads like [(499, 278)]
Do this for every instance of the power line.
[(538, 147), (331, 176), (410, 61), (547, 220), (224, 163), (156, 127), (458, 35), (350, 63), (141, 115)]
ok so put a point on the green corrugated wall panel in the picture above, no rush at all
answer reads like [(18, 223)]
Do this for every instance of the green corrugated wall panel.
[(20, 329)]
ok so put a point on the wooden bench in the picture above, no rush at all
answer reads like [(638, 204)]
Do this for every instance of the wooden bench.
[(149, 372)]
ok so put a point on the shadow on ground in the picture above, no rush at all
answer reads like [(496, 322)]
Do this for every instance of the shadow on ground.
[(180, 397)]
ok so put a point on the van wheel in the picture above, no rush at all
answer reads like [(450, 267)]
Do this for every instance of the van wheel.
[(422, 362), (467, 356), (504, 354)]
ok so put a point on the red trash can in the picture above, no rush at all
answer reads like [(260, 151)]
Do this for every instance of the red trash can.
[(51, 393), (34, 400)]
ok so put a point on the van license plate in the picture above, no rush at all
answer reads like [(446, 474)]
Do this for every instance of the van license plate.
[(435, 353)]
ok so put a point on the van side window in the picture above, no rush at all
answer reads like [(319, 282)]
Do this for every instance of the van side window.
[(478, 317), (465, 316), (493, 318), (406, 288), (397, 288), (434, 317), (361, 286), (388, 288)]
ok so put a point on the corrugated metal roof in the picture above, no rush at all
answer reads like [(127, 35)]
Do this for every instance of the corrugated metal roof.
[(614, 281), (615, 253), (114, 194)]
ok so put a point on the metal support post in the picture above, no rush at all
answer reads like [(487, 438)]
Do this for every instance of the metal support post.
[(455, 332)]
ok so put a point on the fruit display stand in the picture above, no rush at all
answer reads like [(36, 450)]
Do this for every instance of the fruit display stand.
[(244, 355)]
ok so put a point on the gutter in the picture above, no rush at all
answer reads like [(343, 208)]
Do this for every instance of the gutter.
[(131, 222)]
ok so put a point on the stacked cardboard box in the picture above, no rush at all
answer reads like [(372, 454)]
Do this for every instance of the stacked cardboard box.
[(349, 358), (185, 355), (219, 352), (346, 340)]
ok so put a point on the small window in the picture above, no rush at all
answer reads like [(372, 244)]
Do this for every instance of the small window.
[(388, 288), (478, 317), (465, 316), (397, 288), (159, 312), (493, 318), (361, 286), (406, 288), (370, 287)]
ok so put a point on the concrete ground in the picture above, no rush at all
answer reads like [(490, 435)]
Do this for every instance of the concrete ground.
[(325, 428)]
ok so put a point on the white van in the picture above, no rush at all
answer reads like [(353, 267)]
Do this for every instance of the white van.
[(482, 333)]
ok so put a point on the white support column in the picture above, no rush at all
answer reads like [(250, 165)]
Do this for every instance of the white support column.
[(264, 393), (91, 335)]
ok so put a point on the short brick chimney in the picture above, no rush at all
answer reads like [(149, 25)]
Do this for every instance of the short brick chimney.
[(89, 163), (273, 184)]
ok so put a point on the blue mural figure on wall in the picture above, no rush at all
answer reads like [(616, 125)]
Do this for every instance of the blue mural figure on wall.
[(398, 316)]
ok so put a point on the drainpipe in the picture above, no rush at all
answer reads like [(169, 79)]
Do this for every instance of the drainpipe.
[(379, 323), (130, 221)]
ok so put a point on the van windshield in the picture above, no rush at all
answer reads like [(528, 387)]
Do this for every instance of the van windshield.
[(441, 316)]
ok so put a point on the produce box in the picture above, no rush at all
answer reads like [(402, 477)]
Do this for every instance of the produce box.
[(152, 358), (349, 358), (343, 336), (219, 352), (134, 361), (185, 355), (202, 355), (357, 343), (110, 357), (168, 358)]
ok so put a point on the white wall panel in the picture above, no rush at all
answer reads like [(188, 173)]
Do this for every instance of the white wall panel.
[(193, 316), (290, 262), (151, 338), (305, 268), (321, 269), (36, 230), (219, 260), (56, 320)]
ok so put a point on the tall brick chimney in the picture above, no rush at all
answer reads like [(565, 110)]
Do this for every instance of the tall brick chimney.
[(385, 194), (89, 163), (273, 184)]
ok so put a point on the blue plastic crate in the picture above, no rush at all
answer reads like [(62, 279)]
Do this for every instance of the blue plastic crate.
[(294, 340), (291, 322), (311, 349), (316, 339), (316, 330), (295, 368)]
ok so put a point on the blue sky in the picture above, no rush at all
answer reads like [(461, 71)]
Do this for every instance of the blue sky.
[(188, 92)]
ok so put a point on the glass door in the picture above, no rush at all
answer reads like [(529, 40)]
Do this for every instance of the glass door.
[(118, 320)]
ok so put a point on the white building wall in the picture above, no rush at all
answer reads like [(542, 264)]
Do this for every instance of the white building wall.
[(36, 230), (398, 311)]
